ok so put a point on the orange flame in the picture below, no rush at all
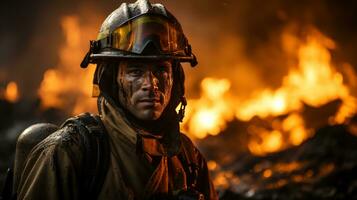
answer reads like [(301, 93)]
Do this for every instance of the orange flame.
[(11, 92), (209, 113), (67, 86), (269, 142), (314, 81)]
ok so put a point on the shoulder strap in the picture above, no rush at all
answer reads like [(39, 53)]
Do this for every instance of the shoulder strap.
[(96, 155)]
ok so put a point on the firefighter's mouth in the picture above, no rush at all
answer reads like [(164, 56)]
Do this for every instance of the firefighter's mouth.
[(150, 101)]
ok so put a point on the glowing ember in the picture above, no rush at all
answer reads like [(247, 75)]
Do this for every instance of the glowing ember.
[(267, 173), (11, 92), (287, 167), (222, 179), (212, 165), (326, 169), (67, 86)]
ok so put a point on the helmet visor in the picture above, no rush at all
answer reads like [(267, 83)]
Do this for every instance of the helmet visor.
[(136, 34)]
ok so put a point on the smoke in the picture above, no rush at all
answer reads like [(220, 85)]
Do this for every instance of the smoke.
[(235, 39)]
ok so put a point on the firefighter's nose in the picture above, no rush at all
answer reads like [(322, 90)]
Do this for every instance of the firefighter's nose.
[(150, 81)]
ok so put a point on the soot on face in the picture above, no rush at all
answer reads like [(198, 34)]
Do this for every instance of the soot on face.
[(145, 88)]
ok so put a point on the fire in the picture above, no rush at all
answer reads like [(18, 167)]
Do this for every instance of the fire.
[(211, 111), (269, 142), (266, 103), (67, 86), (295, 125), (283, 133), (313, 81), (11, 92)]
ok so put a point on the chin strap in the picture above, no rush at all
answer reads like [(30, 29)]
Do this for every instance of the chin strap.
[(183, 105)]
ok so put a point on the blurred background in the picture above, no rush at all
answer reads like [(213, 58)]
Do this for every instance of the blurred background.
[(272, 104)]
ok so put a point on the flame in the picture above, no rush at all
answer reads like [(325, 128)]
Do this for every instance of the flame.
[(313, 80), (286, 132), (295, 125), (270, 142), (266, 103), (211, 111), (67, 86), (11, 92)]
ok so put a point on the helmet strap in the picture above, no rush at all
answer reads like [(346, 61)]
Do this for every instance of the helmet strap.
[(94, 46)]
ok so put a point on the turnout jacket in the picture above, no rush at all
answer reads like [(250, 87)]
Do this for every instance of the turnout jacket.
[(141, 165)]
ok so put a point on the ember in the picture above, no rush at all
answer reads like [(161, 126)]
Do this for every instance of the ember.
[(298, 173)]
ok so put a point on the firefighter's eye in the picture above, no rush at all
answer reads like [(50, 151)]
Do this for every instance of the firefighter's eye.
[(136, 72)]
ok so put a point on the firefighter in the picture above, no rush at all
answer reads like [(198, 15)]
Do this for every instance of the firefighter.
[(133, 149)]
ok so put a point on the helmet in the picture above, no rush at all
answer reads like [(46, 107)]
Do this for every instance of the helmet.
[(132, 29), (139, 30)]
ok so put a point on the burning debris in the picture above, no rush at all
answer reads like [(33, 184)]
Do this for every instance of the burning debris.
[(320, 168)]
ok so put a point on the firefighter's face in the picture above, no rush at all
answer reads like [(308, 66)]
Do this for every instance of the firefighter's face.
[(145, 87)]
